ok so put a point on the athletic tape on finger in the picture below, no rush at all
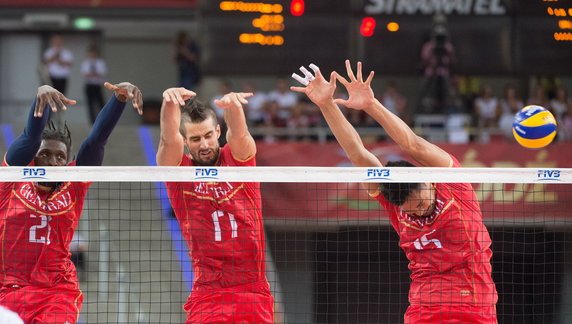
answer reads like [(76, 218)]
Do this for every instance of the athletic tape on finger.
[(300, 79), (307, 73), (314, 67)]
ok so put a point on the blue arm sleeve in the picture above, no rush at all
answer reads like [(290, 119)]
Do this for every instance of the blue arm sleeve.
[(92, 149), (24, 148)]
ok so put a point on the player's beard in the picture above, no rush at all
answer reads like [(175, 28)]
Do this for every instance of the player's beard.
[(198, 160)]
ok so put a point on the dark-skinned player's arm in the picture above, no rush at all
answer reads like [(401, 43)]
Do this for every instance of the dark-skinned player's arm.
[(24, 148), (171, 142), (321, 92), (361, 97), (238, 137), (93, 147)]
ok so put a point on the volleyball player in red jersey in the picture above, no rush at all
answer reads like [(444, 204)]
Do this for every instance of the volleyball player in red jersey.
[(221, 221), (37, 219), (440, 225)]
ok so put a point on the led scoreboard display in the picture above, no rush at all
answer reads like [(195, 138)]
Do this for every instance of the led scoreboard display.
[(494, 37), (274, 37)]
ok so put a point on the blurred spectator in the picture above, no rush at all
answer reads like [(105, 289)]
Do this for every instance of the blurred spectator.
[(560, 106), (255, 108), (285, 98), (437, 56), (509, 105), (486, 109), (186, 55), (273, 119), (566, 128), (538, 97), (224, 87), (94, 70), (78, 248), (299, 118), (393, 100), (58, 61)]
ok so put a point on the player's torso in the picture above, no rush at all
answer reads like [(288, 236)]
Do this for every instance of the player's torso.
[(36, 228), (449, 252), (222, 223)]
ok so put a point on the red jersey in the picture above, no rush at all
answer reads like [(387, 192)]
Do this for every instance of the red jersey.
[(36, 228), (222, 224), (449, 252)]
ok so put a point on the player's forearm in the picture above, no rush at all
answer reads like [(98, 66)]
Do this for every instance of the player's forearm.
[(92, 149), (236, 121), (396, 128), (171, 144), (22, 151), (345, 133), (170, 121)]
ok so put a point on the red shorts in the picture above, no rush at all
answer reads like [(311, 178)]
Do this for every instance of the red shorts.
[(242, 304), (417, 314), (35, 305)]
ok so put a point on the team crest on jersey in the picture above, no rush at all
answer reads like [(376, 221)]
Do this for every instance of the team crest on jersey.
[(28, 194), (419, 222), (217, 191)]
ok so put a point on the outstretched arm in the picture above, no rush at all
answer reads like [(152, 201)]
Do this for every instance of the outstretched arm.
[(321, 91), (361, 97), (171, 143), (93, 147), (239, 140), (24, 148)]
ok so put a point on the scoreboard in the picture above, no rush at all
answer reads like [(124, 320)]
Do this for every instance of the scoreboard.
[(501, 37)]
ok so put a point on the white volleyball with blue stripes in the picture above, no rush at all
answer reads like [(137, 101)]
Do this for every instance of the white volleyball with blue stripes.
[(534, 127)]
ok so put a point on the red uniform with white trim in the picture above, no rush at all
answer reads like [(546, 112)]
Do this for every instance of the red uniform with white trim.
[(449, 257), (222, 224), (39, 280)]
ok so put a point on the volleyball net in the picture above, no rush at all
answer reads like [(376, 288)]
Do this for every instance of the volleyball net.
[(331, 252)]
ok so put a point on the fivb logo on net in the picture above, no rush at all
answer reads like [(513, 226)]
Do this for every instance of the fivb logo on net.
[(548, 175), (378, 174), (34, 173), (206, 173)]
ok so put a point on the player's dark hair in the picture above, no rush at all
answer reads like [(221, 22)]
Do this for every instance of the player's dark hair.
[(195, 112), (395, 192), (51, 132)]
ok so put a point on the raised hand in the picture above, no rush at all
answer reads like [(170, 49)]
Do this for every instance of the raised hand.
[(178, 95), (359, 91), (124, 91), (317, 88), (233, 100), (47, 95)]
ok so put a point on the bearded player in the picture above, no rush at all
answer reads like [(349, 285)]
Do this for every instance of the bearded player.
[(38, 219), (440, 225), (221, 221)]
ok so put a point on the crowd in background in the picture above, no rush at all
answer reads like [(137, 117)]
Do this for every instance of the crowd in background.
[(488, 112), (476, 110)]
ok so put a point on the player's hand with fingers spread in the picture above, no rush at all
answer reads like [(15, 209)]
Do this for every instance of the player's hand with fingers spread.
[(47, 95), (124, 91), (178, 95), (317, 88), (360, 93), (233, 100)]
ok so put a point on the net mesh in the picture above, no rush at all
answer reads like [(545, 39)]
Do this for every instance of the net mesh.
[(331, 253)]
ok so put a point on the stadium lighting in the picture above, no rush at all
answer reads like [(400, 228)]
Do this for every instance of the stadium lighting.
[(84, 23), (367, 27)]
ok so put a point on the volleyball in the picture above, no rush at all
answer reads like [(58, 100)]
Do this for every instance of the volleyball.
[(534, 127)]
